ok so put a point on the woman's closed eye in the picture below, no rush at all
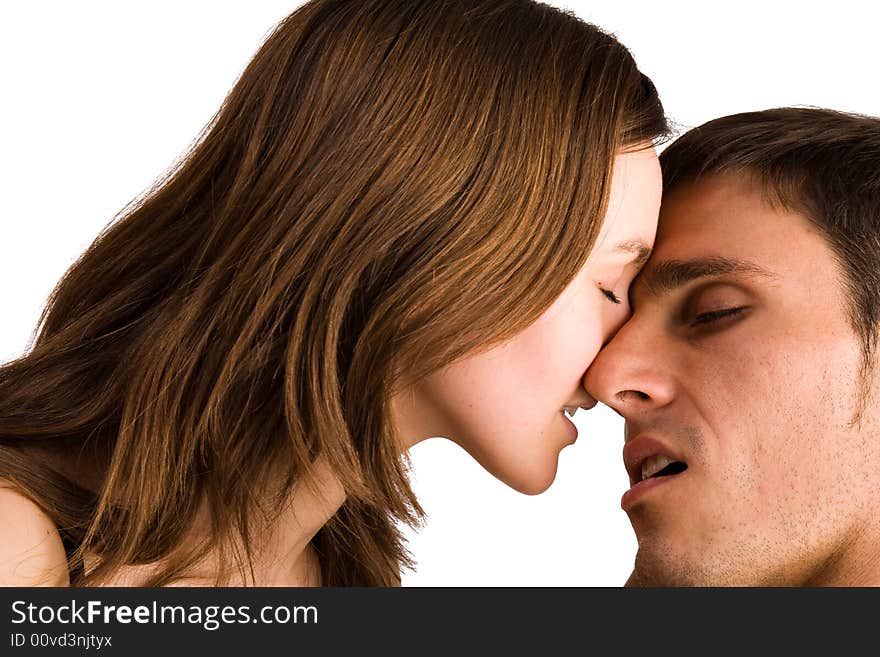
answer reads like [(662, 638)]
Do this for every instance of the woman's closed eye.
[(613, 298)]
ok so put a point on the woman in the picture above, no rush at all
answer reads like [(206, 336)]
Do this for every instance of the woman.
[(381, 237)]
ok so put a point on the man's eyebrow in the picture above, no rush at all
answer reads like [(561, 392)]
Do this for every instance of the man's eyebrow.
[(665, 276), (636, 247)]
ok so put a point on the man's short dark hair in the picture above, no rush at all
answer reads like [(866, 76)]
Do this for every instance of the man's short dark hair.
[(820, 163)]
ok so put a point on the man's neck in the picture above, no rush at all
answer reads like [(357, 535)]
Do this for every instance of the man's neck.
[(856, 562)]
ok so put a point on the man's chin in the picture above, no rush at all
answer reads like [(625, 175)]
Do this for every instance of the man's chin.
[(638, 579), (666, 570)]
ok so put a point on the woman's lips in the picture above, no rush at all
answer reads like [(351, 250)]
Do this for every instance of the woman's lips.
[(572, 429)]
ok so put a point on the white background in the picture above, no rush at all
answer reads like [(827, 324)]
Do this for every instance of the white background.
[(99, 98)]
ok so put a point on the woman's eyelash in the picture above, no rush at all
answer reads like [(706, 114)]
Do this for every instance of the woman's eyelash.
[(613, 298), (715, 315)]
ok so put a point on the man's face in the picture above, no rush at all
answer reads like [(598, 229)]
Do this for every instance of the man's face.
[(740, 363)]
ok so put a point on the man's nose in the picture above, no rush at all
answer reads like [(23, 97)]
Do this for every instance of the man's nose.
[(630, 373)]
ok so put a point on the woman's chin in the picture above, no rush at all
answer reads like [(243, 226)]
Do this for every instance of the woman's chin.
[(534, 480), (529, 472)]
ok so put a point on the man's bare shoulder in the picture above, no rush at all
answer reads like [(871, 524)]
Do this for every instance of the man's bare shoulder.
[(31, 551)]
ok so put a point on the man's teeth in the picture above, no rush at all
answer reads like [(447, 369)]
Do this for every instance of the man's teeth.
[(569, 411), (654, 464)]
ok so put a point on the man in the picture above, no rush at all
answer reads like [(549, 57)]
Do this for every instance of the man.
[(748, 373)]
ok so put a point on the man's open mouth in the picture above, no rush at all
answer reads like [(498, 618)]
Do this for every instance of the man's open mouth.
[(660, 465), (647, 457), (651, 463)]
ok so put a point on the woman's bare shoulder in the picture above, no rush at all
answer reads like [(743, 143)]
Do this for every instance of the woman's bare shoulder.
[(31, 551)]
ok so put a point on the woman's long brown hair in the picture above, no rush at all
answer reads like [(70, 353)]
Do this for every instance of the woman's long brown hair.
[(389, 186)]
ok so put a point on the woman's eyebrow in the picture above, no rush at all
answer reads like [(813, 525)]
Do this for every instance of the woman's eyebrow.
[(663, 277)]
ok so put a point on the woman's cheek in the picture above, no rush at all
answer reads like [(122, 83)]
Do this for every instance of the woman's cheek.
[(583, 340)]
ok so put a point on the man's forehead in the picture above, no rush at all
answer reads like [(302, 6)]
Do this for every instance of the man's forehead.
[(719, 203), (713, 227)]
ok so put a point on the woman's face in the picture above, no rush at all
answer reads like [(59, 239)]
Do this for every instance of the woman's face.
[(505, 406)]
